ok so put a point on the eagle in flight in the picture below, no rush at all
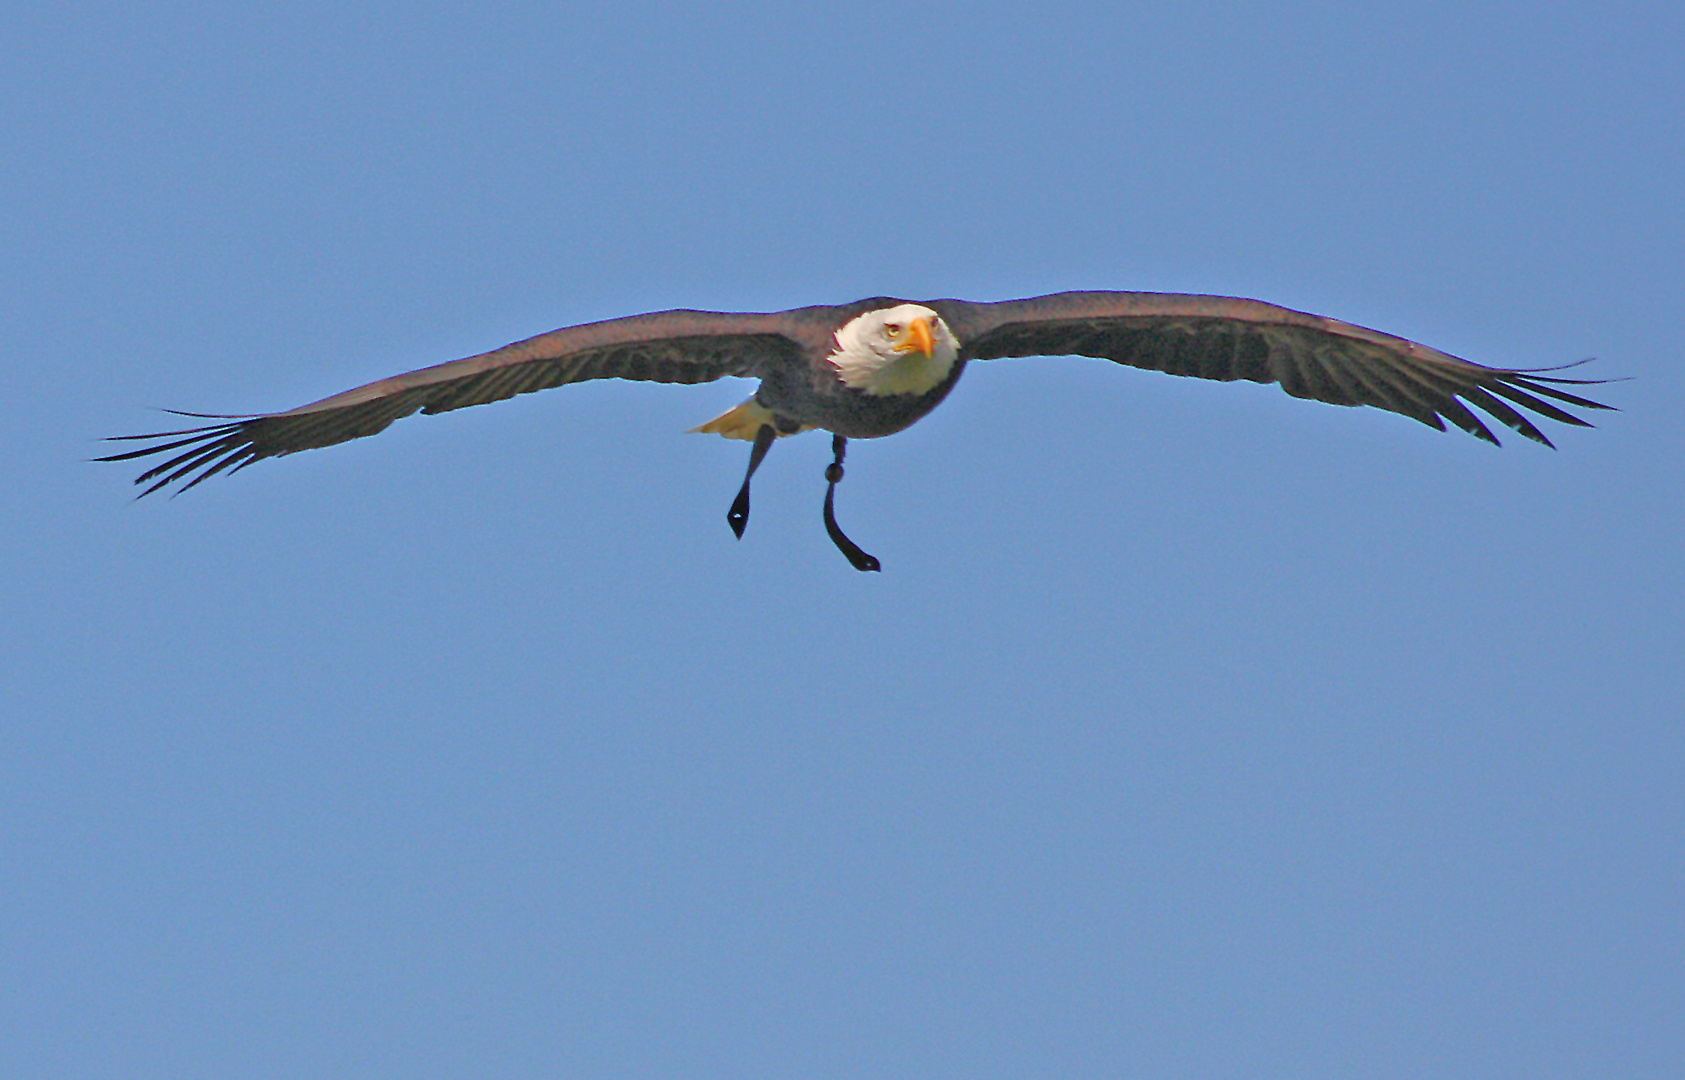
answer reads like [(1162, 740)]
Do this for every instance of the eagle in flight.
[(873, 367)]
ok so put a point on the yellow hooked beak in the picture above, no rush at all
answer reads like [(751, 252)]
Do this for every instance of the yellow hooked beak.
[(918, 338)]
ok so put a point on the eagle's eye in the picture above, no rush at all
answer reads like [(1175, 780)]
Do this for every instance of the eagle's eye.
[(892, 328)]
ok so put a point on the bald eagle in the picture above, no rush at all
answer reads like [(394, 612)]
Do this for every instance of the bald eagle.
[(873, 367)]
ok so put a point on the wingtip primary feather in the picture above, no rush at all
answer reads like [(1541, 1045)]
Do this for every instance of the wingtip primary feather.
[(212, 448)]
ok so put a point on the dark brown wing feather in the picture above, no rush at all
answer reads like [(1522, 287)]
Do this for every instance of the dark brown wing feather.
[(669, 346), (1216, 337)]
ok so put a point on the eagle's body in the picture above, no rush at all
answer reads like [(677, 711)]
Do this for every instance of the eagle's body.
[(840, 382), (874, 367)]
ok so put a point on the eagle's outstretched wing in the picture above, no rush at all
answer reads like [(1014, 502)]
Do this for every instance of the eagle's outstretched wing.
[(1217, 337), (668, 346)]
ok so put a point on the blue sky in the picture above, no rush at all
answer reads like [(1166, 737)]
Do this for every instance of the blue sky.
[(1191, 730)]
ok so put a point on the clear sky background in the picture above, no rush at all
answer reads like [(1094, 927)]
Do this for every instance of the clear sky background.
[(1191, 730)]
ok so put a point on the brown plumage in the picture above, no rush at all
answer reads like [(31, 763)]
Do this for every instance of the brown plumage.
[(798, 356)]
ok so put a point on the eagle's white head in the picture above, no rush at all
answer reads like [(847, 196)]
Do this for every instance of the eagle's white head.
[(899, 350)]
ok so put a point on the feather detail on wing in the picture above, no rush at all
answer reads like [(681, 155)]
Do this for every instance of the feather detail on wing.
[(669, 347), (1213, 337)]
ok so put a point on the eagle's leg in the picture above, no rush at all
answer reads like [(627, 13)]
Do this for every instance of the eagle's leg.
[(738, 516), (833, 476)]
